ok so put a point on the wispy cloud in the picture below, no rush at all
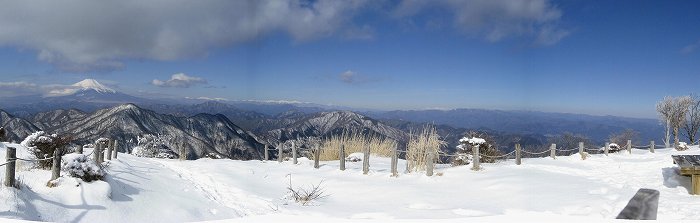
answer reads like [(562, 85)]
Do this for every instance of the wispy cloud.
[(495, 20), (179, 80), (691, 48)]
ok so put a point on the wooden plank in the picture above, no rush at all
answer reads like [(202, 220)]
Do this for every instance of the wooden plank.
[(643, 206), (695, 186)]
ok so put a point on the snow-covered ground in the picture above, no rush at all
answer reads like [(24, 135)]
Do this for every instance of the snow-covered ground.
[(157, 190)]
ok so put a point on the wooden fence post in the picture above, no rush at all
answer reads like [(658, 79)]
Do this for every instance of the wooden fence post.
[(429, 165), (116, 149), (365, 160), (553, 151), (79, 150), (267, 155), (518, 154), (629, 146), (317, 156), (294, 153), (279, 152), (109, 149), (394, 161), (341, 157), (96, 154), (475, 158), (56, 168), (580, 150), (607, 148), (651, 147), (100, 154), (10, 158)]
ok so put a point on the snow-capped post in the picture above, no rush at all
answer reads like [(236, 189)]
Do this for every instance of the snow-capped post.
[(79, 150), (518, 154), (394, 161), (651, 147), (317, 156), (365, 160), (341, 157), (553, 151), (279, 152), (110, 147), (56, 168), (607, 148), (10, 166), (294, 153), (429, 165), (267, 153), (580, 149), (629, 146)]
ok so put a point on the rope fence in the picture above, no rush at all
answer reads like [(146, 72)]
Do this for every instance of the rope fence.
[(476, 156)]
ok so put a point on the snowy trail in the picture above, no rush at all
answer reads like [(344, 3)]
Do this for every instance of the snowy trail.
[(135, 190)]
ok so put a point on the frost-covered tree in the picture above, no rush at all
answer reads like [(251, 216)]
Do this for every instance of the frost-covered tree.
[(672, 111), (2, 134), (43, 145), (664, 108), (153, 146), (692, 123), (678, 113)]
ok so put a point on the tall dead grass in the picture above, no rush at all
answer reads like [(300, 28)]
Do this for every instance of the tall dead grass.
[(355, 142), (418, 147)]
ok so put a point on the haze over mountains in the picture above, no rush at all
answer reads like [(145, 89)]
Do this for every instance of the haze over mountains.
[(238, 129)]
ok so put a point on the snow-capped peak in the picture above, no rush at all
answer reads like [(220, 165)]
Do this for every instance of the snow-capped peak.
[(93, 85), (87, 84)]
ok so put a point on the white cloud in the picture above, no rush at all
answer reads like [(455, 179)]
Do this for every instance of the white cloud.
[(85, 35), (348, 77), (179, 80), (495, 20), (9, 89)]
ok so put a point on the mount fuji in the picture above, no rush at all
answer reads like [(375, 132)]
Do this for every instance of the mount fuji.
[(87, 95)]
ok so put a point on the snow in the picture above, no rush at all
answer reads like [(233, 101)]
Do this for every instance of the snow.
[(567, 189), (473, 141)]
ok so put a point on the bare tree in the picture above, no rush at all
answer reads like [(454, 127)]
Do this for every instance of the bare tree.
[(692, 122), (678, 113), (622, 137), (665, 107)]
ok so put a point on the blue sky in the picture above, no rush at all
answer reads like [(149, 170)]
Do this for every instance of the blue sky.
[(591, 57)]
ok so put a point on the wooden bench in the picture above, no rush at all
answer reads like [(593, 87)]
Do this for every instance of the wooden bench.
[(690, 166)]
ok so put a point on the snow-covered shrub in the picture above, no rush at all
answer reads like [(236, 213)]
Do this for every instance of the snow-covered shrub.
[(154, 147), (463, 157), (487, 148), (682, 146), (80, 166), (43, 145)]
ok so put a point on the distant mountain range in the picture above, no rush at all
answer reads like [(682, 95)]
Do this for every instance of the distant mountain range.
[(238, 129)]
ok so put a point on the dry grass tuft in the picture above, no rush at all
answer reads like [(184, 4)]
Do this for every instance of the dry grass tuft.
[(418, 147), (355, 142)]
